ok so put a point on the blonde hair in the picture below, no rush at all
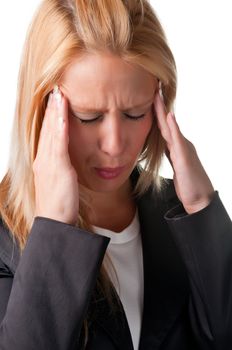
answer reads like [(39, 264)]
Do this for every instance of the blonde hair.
[(60, 30)]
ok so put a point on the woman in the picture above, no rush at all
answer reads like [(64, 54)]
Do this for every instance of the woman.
[(97, 252)]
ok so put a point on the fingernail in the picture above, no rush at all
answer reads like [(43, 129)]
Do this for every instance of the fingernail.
[(57, 95), (160, 90), (49, 100)]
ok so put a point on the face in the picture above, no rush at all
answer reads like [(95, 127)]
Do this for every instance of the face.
[(110, 116)]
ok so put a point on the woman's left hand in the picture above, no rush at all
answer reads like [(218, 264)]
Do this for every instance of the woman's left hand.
[(193, 186)]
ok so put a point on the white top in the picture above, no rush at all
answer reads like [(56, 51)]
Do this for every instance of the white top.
[(125, 251)]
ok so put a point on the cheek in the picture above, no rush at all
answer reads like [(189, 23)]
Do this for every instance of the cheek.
[(79, 142)]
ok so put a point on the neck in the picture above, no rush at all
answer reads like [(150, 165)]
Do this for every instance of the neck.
[(112, 210)]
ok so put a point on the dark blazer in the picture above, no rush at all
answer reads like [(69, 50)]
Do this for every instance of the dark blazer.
[(47, 292)]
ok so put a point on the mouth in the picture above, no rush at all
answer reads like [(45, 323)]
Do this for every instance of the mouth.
[(109, 173)]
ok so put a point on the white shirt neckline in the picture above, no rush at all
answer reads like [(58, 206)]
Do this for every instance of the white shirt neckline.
[(126, 235)]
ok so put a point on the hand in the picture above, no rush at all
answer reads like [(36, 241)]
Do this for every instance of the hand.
[(56, 185), (193, 186)]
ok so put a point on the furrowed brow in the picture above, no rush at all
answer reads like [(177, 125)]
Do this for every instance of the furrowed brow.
[(89, 110)]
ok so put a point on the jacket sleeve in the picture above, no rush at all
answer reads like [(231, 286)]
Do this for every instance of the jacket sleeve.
[(204, 240), (51, 288)]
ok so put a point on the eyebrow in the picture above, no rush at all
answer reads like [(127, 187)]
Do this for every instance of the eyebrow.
[(100, 110)]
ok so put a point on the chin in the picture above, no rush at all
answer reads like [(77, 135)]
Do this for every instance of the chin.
[(104, 186)]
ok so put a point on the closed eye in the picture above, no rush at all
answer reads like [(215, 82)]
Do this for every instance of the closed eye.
[(83, 120), (88, 120), (132, 117), (135, 117)]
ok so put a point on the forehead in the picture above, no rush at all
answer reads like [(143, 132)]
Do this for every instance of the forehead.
[(107, 75)]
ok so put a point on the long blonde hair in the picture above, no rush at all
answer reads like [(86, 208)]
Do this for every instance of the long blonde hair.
[(60, 30)]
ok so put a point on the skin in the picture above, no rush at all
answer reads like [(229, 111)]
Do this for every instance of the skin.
[(70, 150), (113, 140), (192, 184)]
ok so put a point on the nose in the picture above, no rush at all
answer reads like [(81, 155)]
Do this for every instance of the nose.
[(112, 138)]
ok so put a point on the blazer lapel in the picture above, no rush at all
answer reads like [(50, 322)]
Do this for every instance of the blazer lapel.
[(113, 322), (9, 249), (165, 279)]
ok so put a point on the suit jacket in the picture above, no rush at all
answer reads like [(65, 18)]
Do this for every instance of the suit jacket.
[(46, 293)]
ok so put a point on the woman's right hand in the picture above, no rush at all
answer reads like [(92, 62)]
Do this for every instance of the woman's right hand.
[(55, 179)]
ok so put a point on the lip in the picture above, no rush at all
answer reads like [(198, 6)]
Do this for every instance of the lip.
[(109, 173)]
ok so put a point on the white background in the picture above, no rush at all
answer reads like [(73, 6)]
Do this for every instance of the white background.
[(199, 34)]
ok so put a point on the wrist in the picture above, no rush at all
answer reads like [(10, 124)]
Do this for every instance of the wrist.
[(199, 205)]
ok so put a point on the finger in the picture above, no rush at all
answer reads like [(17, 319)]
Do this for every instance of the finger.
[(176, 135), (53, 112), (53, 134), (45, 135), (50, 116), (162, 118), (61, 136)]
